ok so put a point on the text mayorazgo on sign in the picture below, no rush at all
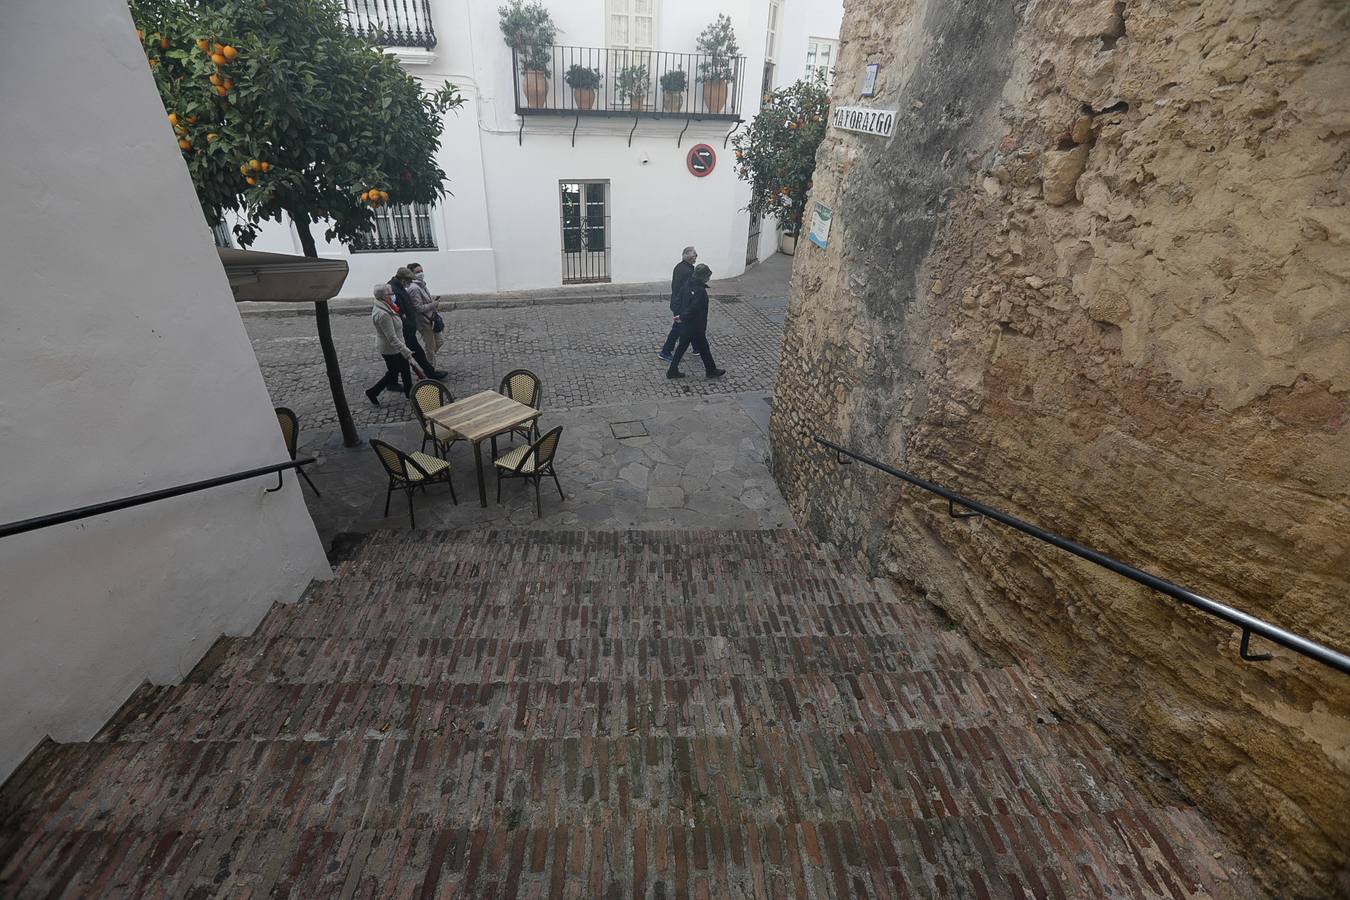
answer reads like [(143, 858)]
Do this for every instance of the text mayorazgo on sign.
[(864, 120)]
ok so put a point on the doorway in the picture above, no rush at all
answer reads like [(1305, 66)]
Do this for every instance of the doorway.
[(584, 213), (752, 245)]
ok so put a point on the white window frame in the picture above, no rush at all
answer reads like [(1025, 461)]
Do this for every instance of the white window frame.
[(773, 25), (813, 46), (626, 8)]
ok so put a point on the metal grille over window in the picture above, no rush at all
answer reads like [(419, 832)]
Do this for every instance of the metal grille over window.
[(585, 231), (221, 233), (406, 227), (392, 23)]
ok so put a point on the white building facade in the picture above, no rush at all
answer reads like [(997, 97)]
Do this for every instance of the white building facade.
[(558, 194)]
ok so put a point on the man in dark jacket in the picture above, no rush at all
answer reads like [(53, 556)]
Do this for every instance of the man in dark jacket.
[(692, 313), (683, 270), (408, 313)]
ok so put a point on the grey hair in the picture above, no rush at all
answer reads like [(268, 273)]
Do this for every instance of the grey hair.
[(688, 251), (383, 291)]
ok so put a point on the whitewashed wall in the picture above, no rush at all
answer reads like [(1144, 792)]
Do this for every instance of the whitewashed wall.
[(500, 230), (125, 369)]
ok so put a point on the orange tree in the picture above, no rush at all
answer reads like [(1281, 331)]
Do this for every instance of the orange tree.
[(280, 110), (777, 155)]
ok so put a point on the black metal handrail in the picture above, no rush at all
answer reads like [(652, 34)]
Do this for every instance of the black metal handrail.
[(631, 83), (391, 23), (98, 509), (1248, 623)]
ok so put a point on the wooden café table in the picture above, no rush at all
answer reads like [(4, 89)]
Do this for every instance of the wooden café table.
[(482, 416)]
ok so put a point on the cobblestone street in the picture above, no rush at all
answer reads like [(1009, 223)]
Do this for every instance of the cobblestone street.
[(586, 353)]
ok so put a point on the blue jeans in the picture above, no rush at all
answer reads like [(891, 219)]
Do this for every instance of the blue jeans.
[(669, 347)]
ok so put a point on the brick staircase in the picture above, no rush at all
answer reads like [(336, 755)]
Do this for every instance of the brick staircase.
[(544, 714)]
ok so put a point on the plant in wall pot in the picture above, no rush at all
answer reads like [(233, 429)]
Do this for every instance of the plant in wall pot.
[(718, 70), (583, 80), (632, 83), (673, 84), (530, 32)]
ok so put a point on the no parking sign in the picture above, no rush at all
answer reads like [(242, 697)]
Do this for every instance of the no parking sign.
[(701, 160)]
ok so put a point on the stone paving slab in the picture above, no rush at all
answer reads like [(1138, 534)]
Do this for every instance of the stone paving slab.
[(699, 463)]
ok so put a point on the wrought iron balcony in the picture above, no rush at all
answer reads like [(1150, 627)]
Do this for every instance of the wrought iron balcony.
[(392, 23), (403, 227), (554, 81)]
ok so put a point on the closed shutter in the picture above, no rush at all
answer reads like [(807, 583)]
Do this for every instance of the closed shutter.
[(631, 24)]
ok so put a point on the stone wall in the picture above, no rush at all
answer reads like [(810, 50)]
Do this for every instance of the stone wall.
[(1100, 278)]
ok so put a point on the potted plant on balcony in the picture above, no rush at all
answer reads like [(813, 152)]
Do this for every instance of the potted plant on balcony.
[(718, 45), (529, 30), (632, 83), (673, 84), (583, 80)]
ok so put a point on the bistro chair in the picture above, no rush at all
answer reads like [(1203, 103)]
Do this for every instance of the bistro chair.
[(409, 471), (428, 395), (523, 386), (290, 432), (531, 462)]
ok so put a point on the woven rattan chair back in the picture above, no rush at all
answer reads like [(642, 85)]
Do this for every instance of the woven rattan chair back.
[(290, 428), (544, 449), (428, 395), (394, 460), (523, 386)]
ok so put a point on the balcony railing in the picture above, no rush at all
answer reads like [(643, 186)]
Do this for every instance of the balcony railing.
[(631, 82), (403, 227), (392, 23)]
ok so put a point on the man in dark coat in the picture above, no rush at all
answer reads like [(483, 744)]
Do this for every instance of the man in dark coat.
[(408, 313), (692, 313), (683, 270)]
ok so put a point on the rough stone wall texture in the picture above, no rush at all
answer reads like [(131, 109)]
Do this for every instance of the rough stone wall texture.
[(1100, 277)]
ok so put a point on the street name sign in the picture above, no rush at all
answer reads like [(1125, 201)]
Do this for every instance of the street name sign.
[(863, 120)]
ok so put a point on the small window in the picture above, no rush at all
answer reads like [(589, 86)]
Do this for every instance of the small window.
[(771, 39), (631, 24), (821, 56), (221, 232), (405, 227)]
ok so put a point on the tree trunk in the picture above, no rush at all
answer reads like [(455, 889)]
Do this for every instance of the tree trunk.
[(330, 360)]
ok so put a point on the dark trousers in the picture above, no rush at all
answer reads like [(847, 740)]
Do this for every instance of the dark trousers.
[(398, 368), (700, 344), (419, 355), (671, 340)]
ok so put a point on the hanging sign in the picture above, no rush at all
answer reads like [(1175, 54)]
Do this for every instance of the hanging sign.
[(701, 160), (863, 120), (820, 225)]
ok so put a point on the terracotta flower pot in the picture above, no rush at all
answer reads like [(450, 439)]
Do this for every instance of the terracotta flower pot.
[(585, 97), (672, 101), (715, 96), (638, 103), (536, 87)]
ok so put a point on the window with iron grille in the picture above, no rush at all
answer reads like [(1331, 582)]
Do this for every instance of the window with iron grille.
[(221, 233), (405, 227)]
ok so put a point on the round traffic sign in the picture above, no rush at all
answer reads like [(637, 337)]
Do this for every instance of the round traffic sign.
[(701, 160)]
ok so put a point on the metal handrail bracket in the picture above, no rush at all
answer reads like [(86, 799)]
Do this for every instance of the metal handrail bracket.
[(108, 506), (1248, 623)]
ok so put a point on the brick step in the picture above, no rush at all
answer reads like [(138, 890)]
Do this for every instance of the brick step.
[(539, 546), (447, 780), (333, 708), (1144, 854)]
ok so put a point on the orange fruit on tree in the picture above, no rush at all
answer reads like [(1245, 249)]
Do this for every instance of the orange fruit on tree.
[(243, 170), (173, 119), (228, 84), (192, 120), (254, 164), (185, 144), (264, 166), (140, 35), (164, 43), (218, 59), (228, 52), (365, 195), (212, 136), (214, 79), (251, 180), (222, 90), (202, 44)]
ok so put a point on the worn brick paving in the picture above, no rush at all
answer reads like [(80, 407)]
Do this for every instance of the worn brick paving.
[(577, 715)]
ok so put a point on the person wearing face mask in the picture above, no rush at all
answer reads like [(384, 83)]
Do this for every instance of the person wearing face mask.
[(399, 283), (425, 307), (384, 315), (678, 278)]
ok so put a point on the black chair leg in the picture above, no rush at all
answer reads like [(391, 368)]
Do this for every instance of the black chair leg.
[(538, 507), (412, 516), (308, 482), (388, 492), (451, 485), (558, 484), (499, 485)]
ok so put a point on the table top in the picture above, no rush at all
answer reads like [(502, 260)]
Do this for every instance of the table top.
[(483, 415)]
